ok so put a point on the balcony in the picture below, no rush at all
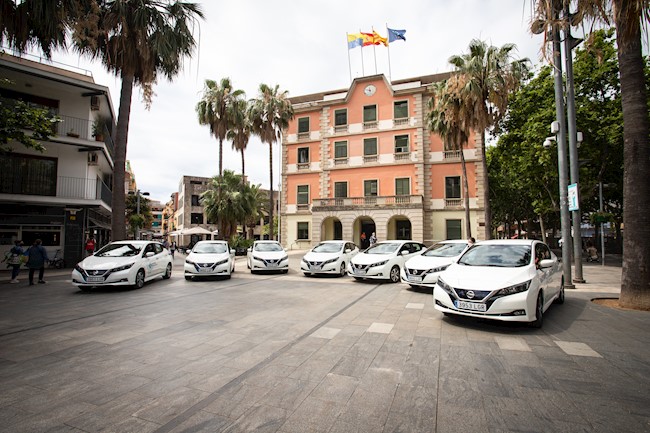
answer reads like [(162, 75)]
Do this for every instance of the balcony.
[(341, 203), (401, 122), (65, 188), (453, 155), (402, 156), (303, 135), (340, 128), (370, 158), (369, 125), (453, 202), (303, 165), (82, 128)]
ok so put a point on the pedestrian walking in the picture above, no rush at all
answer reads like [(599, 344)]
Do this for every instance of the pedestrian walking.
[(166, 244), (373, 239), (471, 241), (37, 256), (14, 259), (172, 248), (90, 246)]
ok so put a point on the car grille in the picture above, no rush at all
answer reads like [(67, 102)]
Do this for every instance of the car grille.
[(271, 262), (315, 263), (416, 272), (354, 266), (96, 272), (479, 295)]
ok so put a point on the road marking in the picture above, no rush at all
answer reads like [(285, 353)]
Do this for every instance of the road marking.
[(327, 333), (414, 306), (381, 328), (577, 349), (512, 343)]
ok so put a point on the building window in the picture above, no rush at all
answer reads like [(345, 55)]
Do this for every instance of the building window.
[(196, 218), (370, 188), (452, 187), (341, 117), (303, 194), (369, 147), (369, 113), (35, 175), (341, 150), (340, 189), (401, 144), (403, 186), (195, 200), (303, 231), (303, 125), (453, 229), (303, 155), (401, 109)]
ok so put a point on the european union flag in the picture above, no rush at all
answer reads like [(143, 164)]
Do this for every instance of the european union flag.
[(395, 35)]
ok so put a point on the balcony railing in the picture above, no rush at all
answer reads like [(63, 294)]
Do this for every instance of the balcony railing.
[(341, 128), (401, 121), (453, 202), (303, 166), (452, 154), (303, 135), (81, 128), (66, 187), (370, 125), (400, 156), (320, 204)]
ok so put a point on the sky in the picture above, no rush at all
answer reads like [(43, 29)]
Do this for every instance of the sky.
[(300, 46)]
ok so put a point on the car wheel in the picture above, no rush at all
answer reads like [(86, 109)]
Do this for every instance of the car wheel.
[(139, 279), (342, 270), (168, 272), (560, 296), (394, 274), (539, 312), (188, 278)]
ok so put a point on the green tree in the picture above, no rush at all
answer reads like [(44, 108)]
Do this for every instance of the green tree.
[(139, 41), (490, 74), (446, 117), (240, 132), (135, 220), (16, 118), (628, 16), (270, 114), (218, 109)]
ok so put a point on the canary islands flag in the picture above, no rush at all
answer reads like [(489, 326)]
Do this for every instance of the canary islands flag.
[(396, 35), (354, 40)]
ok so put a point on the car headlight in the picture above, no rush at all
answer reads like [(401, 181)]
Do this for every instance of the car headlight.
[(330, 261), (444, 286), (305, 261), (122, 268), (222, 262), (80, 270), (189, 262), (284, 258), (379, 263), (517, 288), (258, 258), (438, 269)]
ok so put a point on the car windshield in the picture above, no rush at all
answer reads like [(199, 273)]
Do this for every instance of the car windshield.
[(209, 248), (119, 250), (502, 256), (444, 250), (262, 247), (328, 248), (384, 248)]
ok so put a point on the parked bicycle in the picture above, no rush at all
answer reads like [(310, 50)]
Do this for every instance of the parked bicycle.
[(57, 261)]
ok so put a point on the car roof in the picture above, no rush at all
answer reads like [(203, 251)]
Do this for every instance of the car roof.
[(393, 241), (452, 241), (333, 242), (133, 242), (267, 242), (210, 241), (509, 242)]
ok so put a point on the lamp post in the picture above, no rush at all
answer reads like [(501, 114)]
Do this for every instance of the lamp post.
[(137, 201)]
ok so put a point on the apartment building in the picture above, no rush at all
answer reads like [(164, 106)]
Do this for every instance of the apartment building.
[(63, 194), (362, 160)]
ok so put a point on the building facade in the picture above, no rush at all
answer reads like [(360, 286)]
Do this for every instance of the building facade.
[(63, 194), (362, 160)]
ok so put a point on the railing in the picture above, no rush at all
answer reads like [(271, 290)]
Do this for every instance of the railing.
[(370, 201), (340, 161), (369, 158), (303, 135), (303, 166), (402, 121), (341, 128), (370, 125), (66, 187), (453, 202), (402, 155), (82, 128), (451, 154)]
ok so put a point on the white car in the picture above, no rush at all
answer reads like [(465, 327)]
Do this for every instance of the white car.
[(267, 256), (208, 259), (328, 257), (509, 280), (423, 270), (123, 263), (384, 260)]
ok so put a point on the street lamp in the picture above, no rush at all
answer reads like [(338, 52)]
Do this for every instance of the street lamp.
[(137, 201)]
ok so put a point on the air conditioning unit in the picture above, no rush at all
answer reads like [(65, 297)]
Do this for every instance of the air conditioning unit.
[(92, 158), (94, 103)]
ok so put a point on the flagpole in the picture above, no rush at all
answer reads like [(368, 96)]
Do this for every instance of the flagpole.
[(363, 69), (349, 64), (390, 74), (374, 50)]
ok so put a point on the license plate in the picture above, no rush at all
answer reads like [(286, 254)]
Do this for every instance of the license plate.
[(205, 270), (474, 306), (415, 278), (360, 271), (315, 268), (272, 265), (95, 279)]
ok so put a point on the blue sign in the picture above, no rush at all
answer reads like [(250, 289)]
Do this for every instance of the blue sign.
[(572, 191)]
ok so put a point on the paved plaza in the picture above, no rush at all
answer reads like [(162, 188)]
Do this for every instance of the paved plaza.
[(290, 354)]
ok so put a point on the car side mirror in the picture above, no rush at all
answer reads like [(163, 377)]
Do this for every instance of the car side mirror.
[(546, 263), (250, 250), (149, 254), (348, 250), (404, 252)]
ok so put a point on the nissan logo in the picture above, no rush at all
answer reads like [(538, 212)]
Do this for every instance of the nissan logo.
[(470, 294)]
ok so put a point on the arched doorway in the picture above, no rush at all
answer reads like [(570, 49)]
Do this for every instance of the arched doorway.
[(364, 226), (331, 229), (399, 227)]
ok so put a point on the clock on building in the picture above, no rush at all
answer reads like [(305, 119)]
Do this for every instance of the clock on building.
[(369, 90)]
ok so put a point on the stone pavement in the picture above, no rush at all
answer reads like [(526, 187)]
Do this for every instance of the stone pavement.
[(286, 353)]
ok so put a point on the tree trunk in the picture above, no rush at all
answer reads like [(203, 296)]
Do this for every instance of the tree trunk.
[(220, 157), (542, 228), (243, 175), (118, 221), (468, 223), (486, 190), (635, 282), (271, 233)]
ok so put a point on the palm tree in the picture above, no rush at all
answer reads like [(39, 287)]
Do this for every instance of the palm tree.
[(137, 40), (446, 118), (217, 109), (270, 113), (627, 16), (240, 132), (490, 75)]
